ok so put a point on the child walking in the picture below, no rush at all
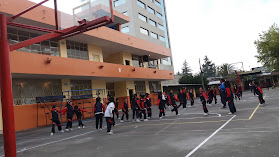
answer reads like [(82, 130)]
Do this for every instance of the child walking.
[(172, 101), (78, 111), (191, 95), (135, 107), (125, 111), (143, 108), (99, 111), (259, 92), (55, 120), (161, 106), (230, 98), (203, 98), (115, 111)]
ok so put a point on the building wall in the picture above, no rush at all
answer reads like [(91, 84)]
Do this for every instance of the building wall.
[(95, 53)]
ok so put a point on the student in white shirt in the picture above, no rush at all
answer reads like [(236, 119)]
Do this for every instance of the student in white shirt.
[(109, 115)]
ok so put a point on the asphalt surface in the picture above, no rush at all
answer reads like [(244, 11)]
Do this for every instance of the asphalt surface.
[(251, 132)]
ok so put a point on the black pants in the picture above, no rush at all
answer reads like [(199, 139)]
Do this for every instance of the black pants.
[(231, 106), (127, 115), (223, 98), (162, 112), (57, 122), (215, 98), (135, 113), (149, 112), (184, 103), (204, 106), (80, 122), (143, 112), (180, 104), (210, 100), (261, 99), (109, 123), (99, 121), (115, 111), (175, 109), (69, 122)]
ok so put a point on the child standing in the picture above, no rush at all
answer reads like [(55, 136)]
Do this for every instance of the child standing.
[(143, 107), (191, 95), (135, 107), (99, 110), (78, 111), (125, 111), (109, 115), (55, 120), (70, 112), (148, 105), (115, 111), (259, 92), (229, 97), (160, 104), (214, 94), (203, 98)]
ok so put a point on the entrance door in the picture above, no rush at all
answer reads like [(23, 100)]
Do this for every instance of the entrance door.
[(131, 93)]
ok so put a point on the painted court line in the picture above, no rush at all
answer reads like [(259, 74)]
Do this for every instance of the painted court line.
[(255, 110), (201, 144)]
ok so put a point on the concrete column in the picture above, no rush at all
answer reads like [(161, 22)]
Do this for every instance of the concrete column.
[(99, 84), (95, 53), (66, 86), (147, 87), (194, 92), (63, 48), (122, 91)]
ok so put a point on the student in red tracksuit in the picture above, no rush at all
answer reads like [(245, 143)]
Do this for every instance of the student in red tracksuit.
[(99, 111), (259, 92), (214, 95), (203, 98), (136, 107), (125, 111), (172, 101), (78, 111), (182, 98), (148, 105), (55, 120), (143, 107), (191, 95), (236, 92), (70, 112), (229, 97), (160, 104)]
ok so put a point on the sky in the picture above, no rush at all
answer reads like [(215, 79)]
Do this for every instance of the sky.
[(224, 30)]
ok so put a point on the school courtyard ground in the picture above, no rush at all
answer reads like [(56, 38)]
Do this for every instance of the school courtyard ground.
[(252, 132)]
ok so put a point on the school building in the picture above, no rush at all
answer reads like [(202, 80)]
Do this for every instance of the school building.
[(131, 55)]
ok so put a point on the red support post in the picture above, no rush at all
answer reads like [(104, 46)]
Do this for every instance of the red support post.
[(6, 91)]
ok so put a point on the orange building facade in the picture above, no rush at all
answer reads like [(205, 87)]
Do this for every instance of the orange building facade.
[(103, 58)]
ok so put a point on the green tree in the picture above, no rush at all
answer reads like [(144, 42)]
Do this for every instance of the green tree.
[(186, 70), (268, 48), (189, 79), (208, 68), (225, 69)]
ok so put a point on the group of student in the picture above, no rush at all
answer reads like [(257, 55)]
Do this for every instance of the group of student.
[(141, 106)]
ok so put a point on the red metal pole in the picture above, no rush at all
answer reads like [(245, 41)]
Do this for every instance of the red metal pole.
[(6, 91), (55, 14)]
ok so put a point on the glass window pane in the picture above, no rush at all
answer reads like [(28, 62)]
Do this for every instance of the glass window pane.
[(159, 14), (160, 26), (143, 18), (144, 31), (151, 10), (119, 2), (125, 13), (157, 3), (162, 38), (141, 4), (153, 23), (125, 29), (154, 35)]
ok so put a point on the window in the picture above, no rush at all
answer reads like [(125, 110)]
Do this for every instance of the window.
[(81, 85), (125, 29), (47, 47), (151, 10), (154, 35), (159, 15), (77, 50), (125, 13), (119, 2), (144, 31), (157, 3), (162, 38), (143, 18), (160, 26), (151, 0), (141, 4), (153, 23)]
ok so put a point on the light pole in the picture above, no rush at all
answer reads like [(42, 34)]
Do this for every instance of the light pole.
[(201, 75)]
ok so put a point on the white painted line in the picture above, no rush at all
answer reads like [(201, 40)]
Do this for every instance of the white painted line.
[(194, 150)]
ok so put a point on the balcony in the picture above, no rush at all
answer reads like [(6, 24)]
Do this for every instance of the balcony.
[(29, 65)]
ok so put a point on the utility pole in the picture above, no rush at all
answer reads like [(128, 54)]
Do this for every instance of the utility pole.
[(201, 76)]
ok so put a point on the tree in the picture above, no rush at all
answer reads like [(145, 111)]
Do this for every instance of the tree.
[(208, 68), (225, 69), (268, 48), (186, 70), (189, 79)]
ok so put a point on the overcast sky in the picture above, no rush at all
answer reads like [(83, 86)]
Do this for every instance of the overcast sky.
[(224, 30)]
